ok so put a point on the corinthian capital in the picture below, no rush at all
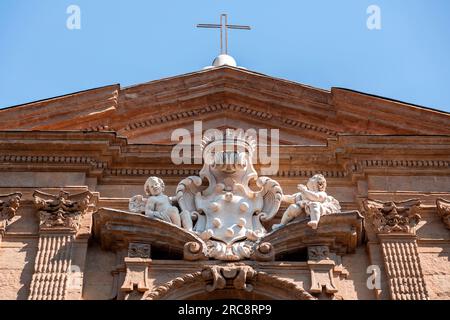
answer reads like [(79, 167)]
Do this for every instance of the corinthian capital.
[(62, 211), (443, 209), (389, 217), (8, 206)]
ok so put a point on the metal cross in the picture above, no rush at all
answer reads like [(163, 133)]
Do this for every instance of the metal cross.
[(223, 26)]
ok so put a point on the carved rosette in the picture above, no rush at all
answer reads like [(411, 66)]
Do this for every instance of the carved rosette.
[(8, 206), (393, 217), (62, 212), (443, 209)]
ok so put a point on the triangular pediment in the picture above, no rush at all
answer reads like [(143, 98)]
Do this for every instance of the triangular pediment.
[(225, 97)]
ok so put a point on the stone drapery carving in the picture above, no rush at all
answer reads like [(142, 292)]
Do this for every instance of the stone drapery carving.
[(443, 209), (158, 205), (8, 206), (311, 200), (63, 211), (388, 217), (228, 215)]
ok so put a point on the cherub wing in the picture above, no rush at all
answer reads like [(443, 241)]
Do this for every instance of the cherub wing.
[(186, 191), (272, 195), (333, 205), (137, 204)]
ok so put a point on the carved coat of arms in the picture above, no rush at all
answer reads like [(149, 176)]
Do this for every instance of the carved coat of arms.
[(226, 212)]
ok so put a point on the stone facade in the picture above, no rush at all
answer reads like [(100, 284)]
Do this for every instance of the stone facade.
[(70, 165)]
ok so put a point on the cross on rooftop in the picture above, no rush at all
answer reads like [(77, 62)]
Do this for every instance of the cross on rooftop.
[(223, 26)]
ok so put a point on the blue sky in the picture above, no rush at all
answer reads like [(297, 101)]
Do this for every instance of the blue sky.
[(322, 43)]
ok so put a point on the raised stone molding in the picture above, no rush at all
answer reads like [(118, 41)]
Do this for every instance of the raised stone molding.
[(137, 263), (340, 232), (61, 212), (443, 209), (253, 113), (9, 204), (54, 159), (322, 268), (403, 268), (391, 216), (404, 163), (116, 229), (189, 172), (238, 277)]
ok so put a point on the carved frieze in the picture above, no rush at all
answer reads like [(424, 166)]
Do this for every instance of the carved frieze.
[(62, 211), (443, 209), (393, 217)]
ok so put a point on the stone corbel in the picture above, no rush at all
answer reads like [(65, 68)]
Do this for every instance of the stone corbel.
[(322, 270), (8, 206), (137, 263), (443, 209)]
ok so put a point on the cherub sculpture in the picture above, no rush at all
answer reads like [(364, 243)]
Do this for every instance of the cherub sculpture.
[(313, 200), (157, 205)]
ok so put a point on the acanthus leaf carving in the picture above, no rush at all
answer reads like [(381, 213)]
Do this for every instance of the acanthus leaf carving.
[(8, 206), (62, 211), (390, 216), (443, 209)]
